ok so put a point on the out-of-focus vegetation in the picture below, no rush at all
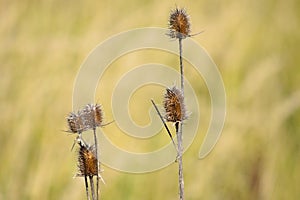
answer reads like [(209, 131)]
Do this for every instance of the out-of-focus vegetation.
[(256, 46)]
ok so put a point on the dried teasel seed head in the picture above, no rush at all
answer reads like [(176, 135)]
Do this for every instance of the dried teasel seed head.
[(174, 105), (98, 115), (179, 24), (75, 123), (87, 161), (88, 118), (71, 119), (92, 116)]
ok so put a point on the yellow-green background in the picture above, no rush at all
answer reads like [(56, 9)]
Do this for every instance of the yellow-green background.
[(255, 45)]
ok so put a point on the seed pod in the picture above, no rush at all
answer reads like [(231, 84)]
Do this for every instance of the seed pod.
[(75, 123), (88, 118), (87, 161), (98, 115), (92, 116), (174, 105), (179, 24)]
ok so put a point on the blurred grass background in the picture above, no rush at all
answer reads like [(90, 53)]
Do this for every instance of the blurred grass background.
[(256, 46)]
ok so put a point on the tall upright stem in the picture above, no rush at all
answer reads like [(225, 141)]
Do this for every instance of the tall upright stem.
[(96, 145), (181, 67), (179, 130), (180, 164)]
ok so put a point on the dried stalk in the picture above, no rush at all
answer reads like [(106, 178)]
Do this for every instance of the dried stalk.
[(179, 131), (92, 187), (96, 145), (166, 127), (86, 187), (179, 160)]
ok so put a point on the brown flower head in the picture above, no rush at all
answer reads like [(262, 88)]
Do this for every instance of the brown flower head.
[(174, 105), (92, 116), (179, 24), (88, 118), (98, 115), (87, 161), (75, 123)]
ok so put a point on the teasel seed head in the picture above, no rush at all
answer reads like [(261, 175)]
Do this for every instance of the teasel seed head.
[(98, 115), (88, 118), (179, 24), (75, 123), (92, 116), (87, 161), (174, 105)]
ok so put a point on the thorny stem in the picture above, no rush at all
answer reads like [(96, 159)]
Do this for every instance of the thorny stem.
[(162, 119), (179, 130), (96, 145), (92, 187), (86, 187)]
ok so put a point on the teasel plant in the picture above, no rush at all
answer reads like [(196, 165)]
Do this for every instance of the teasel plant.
[(175, 112), (87, 163), (179, 27), (89, 118)]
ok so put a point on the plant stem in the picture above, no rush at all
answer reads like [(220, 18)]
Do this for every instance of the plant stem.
[(179, 129), (181, 66), (86, 187), (179, 159), (98, 188), (163, 121), (96, 145), (92, 187)]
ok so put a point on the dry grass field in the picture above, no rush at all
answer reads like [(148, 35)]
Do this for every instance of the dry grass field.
[(255, 45)]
